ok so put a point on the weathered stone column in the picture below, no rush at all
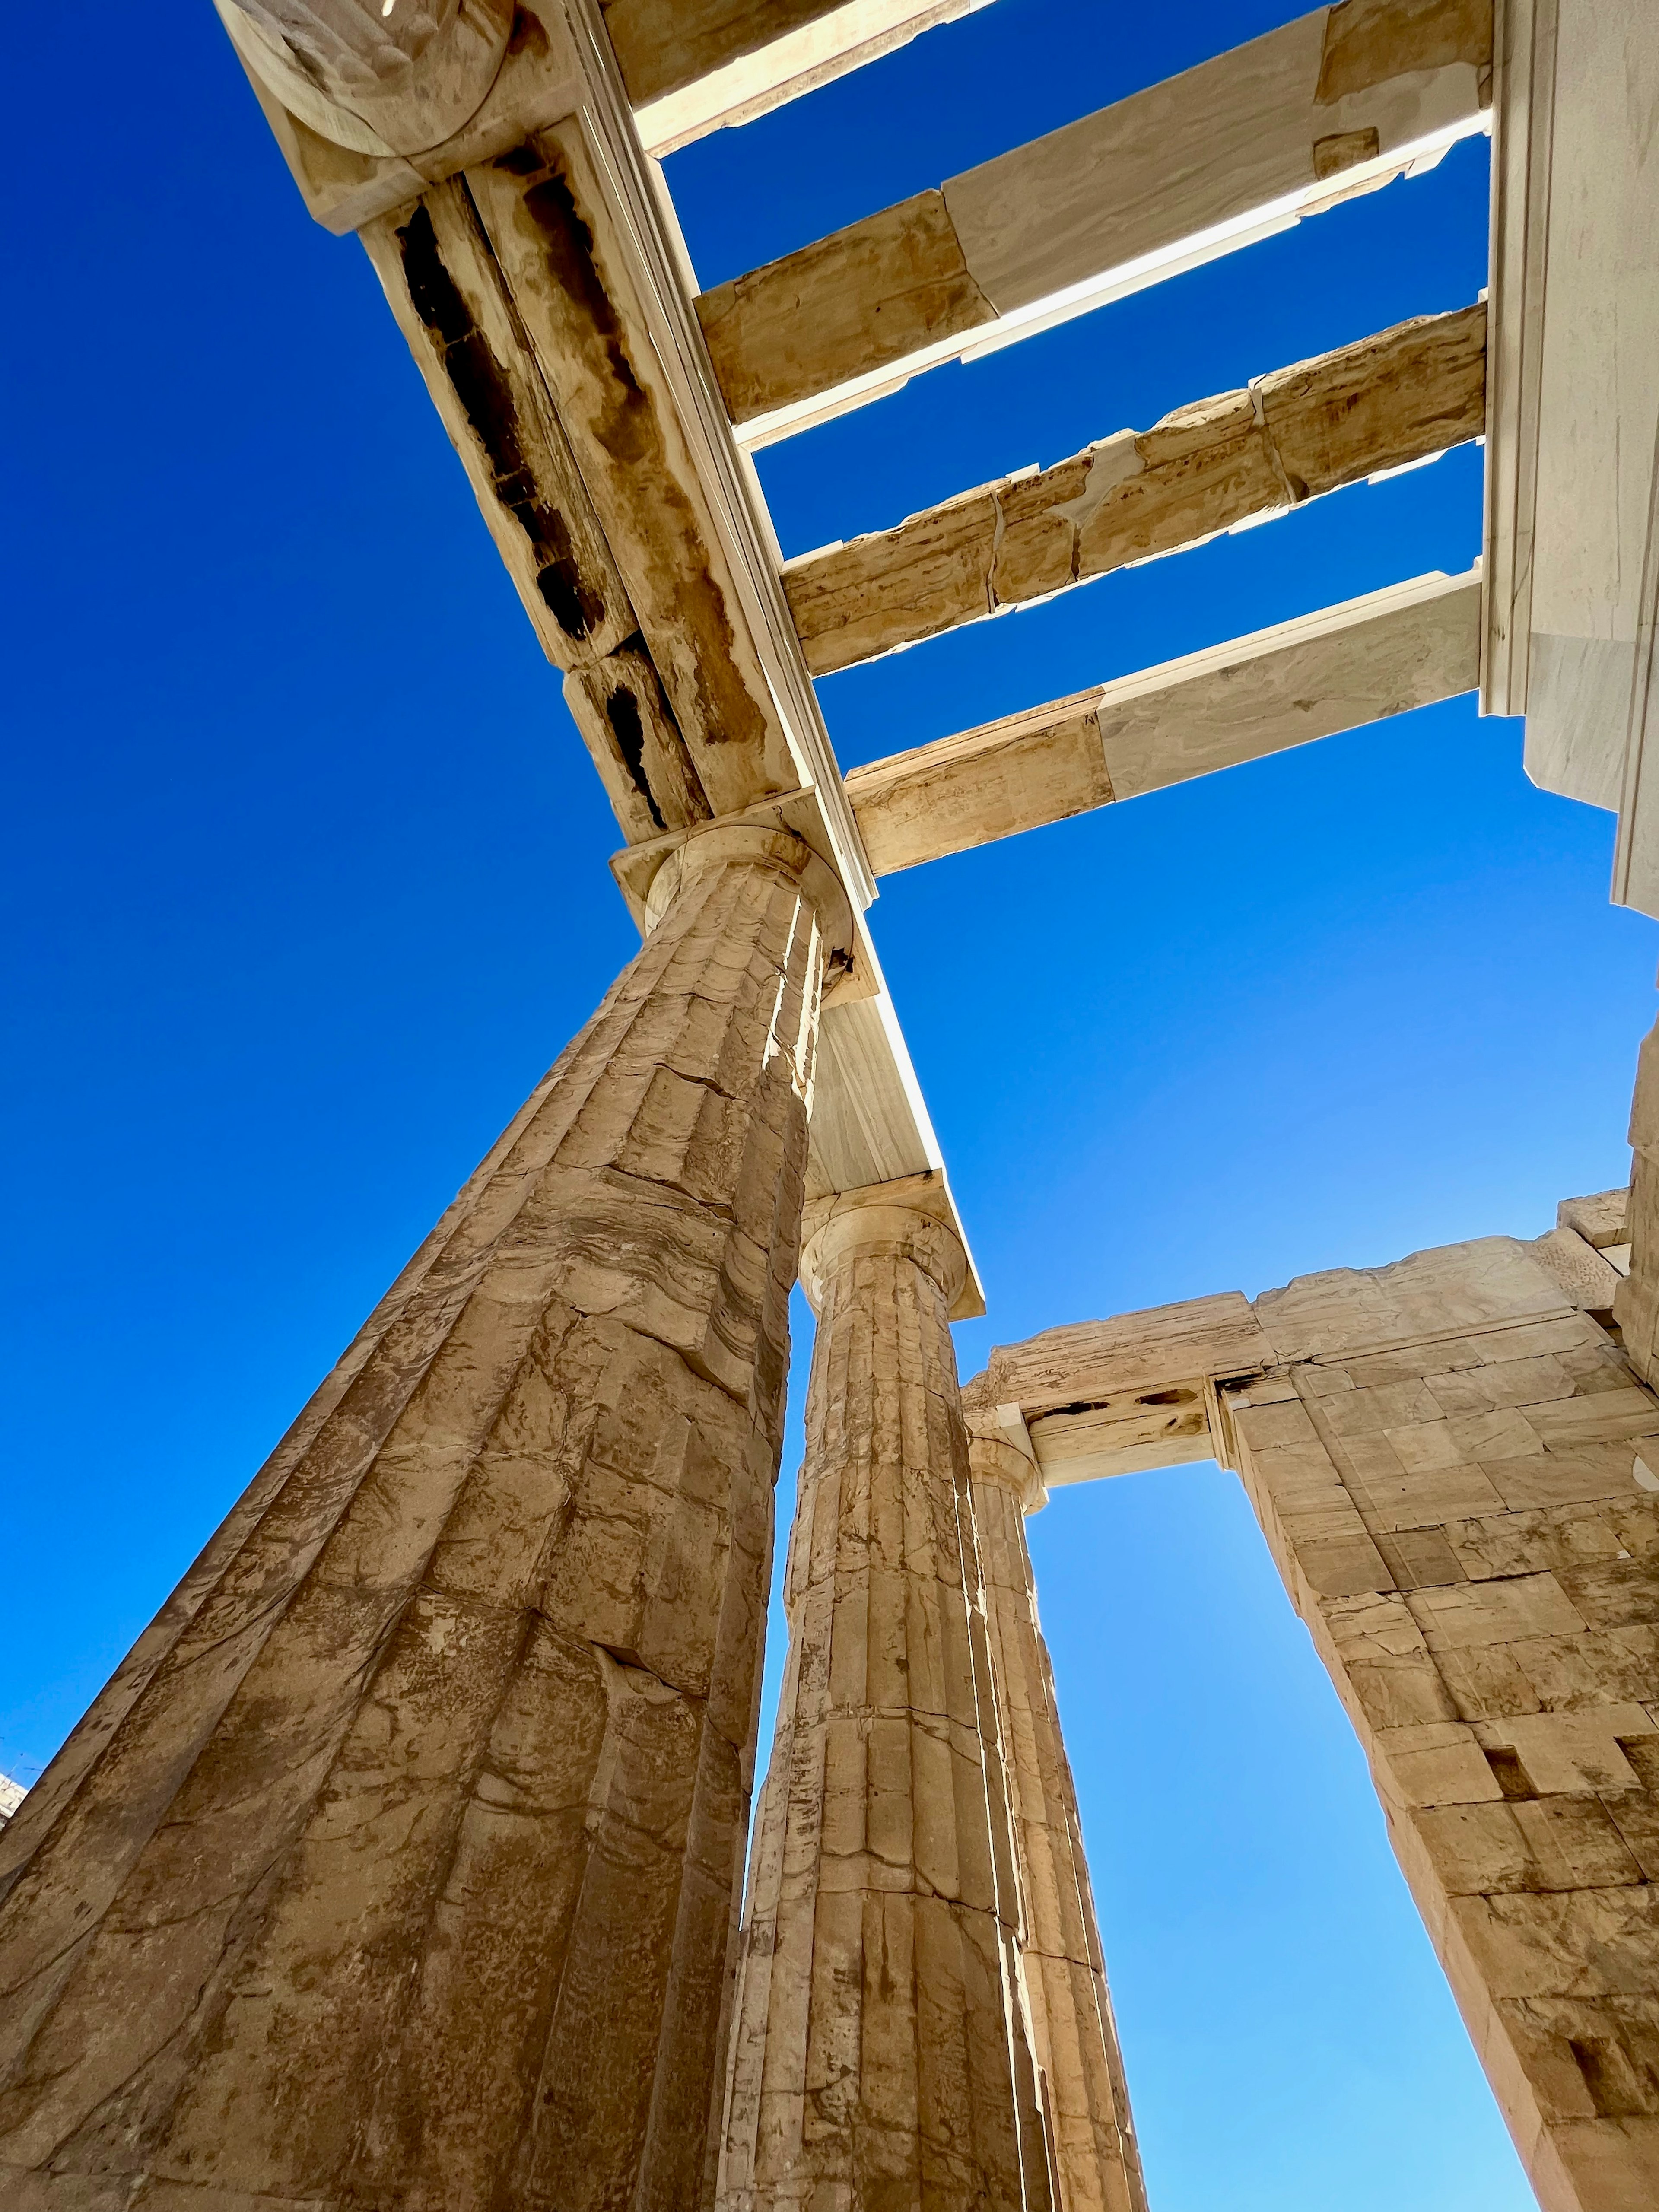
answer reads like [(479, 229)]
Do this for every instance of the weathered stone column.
[(1074, 2033), (881, 2062), (398, 1865)]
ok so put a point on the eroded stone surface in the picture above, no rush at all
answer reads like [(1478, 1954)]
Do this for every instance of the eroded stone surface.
[(881, 2056), (398, 1867), (1401, 396), (1074, 2036), (1457, 1470)]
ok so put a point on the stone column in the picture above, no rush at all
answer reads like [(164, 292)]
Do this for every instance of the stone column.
[(397, 1866), (1636, 1301), (1074, 2035), (881, 2061)]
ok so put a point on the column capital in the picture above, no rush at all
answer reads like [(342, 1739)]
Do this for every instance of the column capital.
[(913, 1216), (777, 832), (994, 1456)]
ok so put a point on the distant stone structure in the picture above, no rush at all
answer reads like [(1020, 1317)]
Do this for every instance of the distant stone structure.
[(1456, 1469), (12, 1794), (400, 1866)]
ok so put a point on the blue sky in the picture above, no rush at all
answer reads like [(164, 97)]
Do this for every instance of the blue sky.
[(305, 885)]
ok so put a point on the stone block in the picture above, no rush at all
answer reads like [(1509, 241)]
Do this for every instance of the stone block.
[(1523, 1542), (1485, 1680), (1497, 1611), (1428, 1501), (1599, 1666), (1635, 1813), (1571, 1751), (1384, 1405), (1420, 1559), (1342, 1566), (1440, 1764), (1615, 1593), (1573, 1943), (1564, 1474)]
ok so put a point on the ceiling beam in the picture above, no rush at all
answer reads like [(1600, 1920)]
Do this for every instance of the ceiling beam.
[(694, 66), (1369, 658), (1337, 103), (1365, 410)]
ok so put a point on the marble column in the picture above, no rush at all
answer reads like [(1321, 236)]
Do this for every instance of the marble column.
[(398, 1865), (881, 2061), (1097, 2167)]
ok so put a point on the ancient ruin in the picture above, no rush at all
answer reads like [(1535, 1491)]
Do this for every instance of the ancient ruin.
[(401, 1866)]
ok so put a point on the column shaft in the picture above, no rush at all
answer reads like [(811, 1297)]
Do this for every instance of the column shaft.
[(397, 1868), (1075, 2037), (881, 2061)]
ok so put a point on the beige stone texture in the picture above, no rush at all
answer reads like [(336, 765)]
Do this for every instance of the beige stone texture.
[(864, 297), (1074, 2035), (399, 1865), (1173, 176), (1368, 658), (1636, 1301), (692, 66), (1446, 1457), (881, 2054), (1477, 1437), (1399, 397)]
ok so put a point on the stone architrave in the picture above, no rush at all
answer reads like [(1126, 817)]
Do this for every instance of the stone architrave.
[(1098, 2164), (881, 2057), (399, 1865)]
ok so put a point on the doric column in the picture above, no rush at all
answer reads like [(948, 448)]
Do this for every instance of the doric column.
[(399, 1865), (881, 2061), (1075, 2037)]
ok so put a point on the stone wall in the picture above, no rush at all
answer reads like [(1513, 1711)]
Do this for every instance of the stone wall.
[(1448, 1462)]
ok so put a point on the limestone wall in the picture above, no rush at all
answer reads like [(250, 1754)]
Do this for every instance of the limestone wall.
[(1448, 1460)]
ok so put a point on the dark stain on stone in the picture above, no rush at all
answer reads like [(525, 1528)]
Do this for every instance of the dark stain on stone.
[(630, 711), (486, 397), (625, 426), (527, 36), (631, 434), (621, 711)]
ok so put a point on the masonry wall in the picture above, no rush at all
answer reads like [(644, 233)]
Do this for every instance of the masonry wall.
[(1446, 1461)]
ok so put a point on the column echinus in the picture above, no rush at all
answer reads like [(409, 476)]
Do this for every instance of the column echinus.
[(399, 1864), (881, 2055), (1074, 2036)]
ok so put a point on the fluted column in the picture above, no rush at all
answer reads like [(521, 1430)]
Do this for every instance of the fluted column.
[(1075, 2037), (398, 1865), (881, 2061)]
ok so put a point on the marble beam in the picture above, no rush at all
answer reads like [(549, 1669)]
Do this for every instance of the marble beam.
[(1337, 103), (882, 2052), (1398, 398), (693, 66), (1079, 2064), (1360, 662), (400, 1862)]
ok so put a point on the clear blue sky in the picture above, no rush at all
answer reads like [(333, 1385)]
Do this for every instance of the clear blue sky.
[(305, 885)]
